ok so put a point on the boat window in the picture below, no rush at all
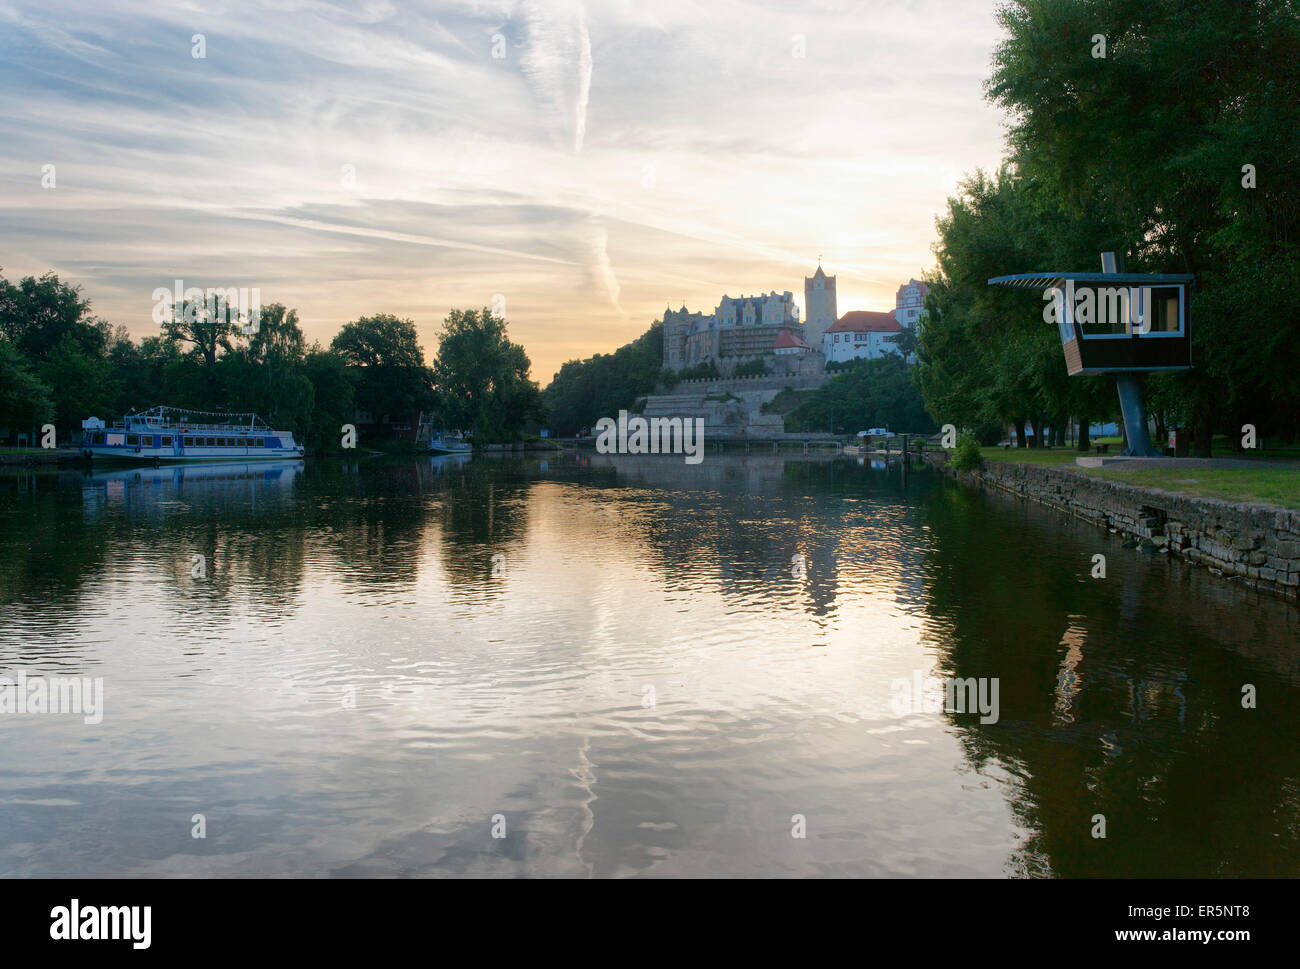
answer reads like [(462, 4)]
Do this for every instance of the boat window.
[(260, 442), (167, 440), (132, 440)]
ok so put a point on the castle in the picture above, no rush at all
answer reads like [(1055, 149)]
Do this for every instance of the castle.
[(740, 328), (746, 328)]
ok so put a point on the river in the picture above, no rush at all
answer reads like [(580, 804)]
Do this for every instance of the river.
[(600, 666)]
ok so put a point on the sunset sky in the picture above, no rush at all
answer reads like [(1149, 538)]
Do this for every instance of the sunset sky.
[(619, 157)]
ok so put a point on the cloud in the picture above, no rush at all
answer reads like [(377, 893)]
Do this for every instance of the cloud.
[(603, 269), (558, 64), (474, 175)]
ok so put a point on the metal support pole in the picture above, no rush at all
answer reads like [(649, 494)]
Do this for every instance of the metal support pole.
[(1129, 386), (1135, 416)]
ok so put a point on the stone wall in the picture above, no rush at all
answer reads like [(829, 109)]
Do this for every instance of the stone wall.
[(1258, 545)]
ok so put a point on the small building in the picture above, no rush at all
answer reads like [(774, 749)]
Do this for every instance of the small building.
[(789, 343), (861, 335)]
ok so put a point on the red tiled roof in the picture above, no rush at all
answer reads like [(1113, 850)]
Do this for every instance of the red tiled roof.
[(785, 340), (865, 321)]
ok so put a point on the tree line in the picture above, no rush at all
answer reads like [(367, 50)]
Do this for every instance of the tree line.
[(1164, 130), (60, 363)]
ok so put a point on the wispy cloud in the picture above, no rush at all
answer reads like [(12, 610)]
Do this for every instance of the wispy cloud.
[(353, 160), (557, 62)]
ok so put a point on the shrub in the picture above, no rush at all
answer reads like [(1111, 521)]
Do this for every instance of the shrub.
[(966, 455)]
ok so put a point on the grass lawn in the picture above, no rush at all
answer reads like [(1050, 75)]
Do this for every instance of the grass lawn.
[(1268, 483), (1029, 455)]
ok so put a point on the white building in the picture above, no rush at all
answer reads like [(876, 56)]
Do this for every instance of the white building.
[(909, 304), (861, 334)]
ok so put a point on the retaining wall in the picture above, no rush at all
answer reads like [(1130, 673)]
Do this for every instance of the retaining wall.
[(1255, 544)]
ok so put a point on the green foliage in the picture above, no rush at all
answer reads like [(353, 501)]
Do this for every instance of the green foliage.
[(81, 384), (24, 401), (1181, 103), (483, 379), (333, 402), (583, 391), (387, 364), (58, 363), (751, 368), (870, 393), (985, 355), (966, 455), (705, 370), (37, 314)]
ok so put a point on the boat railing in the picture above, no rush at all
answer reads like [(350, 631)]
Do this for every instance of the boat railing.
[(187, 426)]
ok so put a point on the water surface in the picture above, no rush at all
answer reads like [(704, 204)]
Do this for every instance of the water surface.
[(630, 666)]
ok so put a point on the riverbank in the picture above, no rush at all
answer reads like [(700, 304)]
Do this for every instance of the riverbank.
[(31, 456), (1254, 543)]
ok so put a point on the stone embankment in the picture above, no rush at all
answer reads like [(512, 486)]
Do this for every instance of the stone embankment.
[(1258, 545)]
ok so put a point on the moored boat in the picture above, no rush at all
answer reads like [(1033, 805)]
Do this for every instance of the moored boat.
[(166, 434), (439, 445)]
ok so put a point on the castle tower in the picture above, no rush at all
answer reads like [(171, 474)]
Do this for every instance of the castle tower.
[(819, 303)]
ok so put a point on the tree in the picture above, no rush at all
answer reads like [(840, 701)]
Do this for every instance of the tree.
[(985, 353), (1200, 115), (387, 363), (139, 370), (263, 374), (483, 379), (37, 314), (332, 397), (869, 393), (583, 391), (207, 330), (24, 401), (81, 385)]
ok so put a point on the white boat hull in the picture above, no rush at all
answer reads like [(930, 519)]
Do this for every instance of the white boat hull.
[(148, 455)]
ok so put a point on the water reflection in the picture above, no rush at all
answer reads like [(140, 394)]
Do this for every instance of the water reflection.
[(646, 667)]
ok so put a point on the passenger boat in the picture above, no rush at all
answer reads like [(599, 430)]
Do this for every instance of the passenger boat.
[(166, 434), (437, 445)]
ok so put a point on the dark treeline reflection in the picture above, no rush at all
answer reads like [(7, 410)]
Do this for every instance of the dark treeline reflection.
[(245, 533), (1119, 696)]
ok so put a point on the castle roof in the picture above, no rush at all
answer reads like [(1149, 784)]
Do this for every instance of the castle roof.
[(920, 286), (865, 321)]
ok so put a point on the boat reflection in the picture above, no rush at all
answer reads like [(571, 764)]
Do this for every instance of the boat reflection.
[(179, 475)]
